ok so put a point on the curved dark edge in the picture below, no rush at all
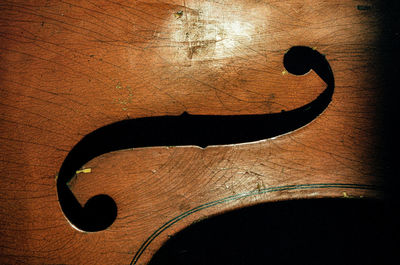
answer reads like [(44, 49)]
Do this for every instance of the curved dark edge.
[(235, 197), (200, 130)]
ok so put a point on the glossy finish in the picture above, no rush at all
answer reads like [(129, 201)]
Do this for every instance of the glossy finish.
[(71, 67)]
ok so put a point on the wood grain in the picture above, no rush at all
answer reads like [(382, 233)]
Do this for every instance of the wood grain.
[(71, 67)]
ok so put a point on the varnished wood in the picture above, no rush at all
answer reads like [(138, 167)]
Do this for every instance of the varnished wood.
[(71, 67)]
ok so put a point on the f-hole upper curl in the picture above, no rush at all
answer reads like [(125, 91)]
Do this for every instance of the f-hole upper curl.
[(100, 211)]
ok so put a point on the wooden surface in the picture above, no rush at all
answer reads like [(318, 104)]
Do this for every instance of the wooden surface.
[(71, 67)]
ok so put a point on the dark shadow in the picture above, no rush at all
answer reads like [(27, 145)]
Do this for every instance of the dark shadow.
[(387, 70), (325, 231)]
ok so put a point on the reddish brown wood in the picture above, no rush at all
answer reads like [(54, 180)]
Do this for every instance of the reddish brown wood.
[(70, 67)]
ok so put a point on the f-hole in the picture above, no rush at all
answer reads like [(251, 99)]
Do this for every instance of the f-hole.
[(100, 211)]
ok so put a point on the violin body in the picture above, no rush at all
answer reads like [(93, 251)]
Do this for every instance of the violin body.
[(71, 68)]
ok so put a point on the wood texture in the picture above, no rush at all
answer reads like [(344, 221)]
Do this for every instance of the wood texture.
[(71, 67)]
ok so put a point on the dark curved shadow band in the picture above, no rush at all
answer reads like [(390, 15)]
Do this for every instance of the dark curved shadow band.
[(200, 130)]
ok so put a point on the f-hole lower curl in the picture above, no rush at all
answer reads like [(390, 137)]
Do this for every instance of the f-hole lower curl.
[(100, 211)]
